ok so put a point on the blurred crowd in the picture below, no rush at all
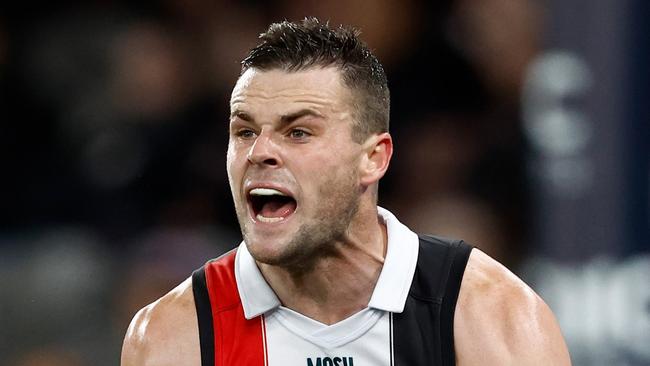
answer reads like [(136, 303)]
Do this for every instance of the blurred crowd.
[(114, 131)]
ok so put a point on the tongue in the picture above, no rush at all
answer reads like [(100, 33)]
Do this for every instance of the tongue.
[(278, 208)]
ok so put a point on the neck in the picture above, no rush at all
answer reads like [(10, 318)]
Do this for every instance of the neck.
[(340, 284)]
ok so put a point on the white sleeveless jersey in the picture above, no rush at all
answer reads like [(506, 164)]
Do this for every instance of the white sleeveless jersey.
[(408, 321)]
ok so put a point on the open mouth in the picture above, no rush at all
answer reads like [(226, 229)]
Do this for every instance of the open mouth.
[(270, 205)]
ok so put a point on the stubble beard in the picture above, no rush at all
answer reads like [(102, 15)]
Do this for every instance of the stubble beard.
[(317, 236)]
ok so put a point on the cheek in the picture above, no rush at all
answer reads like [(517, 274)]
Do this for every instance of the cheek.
[(232, 157), (233, 168), (326, 172)]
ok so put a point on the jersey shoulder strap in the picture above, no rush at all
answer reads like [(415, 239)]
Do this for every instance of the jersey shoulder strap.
[(423, 334), (226, 336)]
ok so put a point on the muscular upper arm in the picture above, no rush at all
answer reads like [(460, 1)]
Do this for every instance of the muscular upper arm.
[(499, 320), (135, 345), (164, 332)]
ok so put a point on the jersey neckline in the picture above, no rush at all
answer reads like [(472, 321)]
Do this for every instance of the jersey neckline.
[(389, 294)]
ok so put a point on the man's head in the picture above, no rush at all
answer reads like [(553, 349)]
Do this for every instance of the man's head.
[(302, 163), (310, 43)]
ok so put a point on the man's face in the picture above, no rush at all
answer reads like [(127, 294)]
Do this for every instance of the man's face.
[(292, 165)]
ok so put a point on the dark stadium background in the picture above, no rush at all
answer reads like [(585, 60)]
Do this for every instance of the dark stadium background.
[(519, 125)]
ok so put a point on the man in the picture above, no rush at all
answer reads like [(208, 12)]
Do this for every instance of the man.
[(325, 277)]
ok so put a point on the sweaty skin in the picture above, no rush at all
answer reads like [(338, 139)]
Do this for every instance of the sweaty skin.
[(499, 321), (292, 132)]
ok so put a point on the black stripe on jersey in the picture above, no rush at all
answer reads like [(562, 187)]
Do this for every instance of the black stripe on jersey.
[(204, 316), (456, 271), (390, 332), (423, 332)]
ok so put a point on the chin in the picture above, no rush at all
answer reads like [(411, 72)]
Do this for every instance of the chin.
[(265, 248), (280, 253), (267, 254)]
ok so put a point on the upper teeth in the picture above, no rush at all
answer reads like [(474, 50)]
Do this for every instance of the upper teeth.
[(266, 192)]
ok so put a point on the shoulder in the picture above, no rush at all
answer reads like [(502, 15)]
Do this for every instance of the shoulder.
[(164, 332), (499, 320)]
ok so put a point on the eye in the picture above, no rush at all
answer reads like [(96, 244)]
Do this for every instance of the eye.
[(245, 133), (298, 134)]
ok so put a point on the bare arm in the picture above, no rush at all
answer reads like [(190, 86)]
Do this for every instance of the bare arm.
[(164, 332), (499, 320)]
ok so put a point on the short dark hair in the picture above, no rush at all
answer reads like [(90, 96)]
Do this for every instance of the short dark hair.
[(294, 46)]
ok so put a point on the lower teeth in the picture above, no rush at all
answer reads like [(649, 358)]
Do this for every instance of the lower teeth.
[(268, 219)]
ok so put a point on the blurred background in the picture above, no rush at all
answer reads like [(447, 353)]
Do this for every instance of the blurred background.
[(520, 126)]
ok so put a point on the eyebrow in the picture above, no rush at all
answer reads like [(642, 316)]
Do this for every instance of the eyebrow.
[(241, 115), (285, 119), (299, 114)]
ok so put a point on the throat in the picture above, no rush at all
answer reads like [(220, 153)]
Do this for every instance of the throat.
[(326, 293)]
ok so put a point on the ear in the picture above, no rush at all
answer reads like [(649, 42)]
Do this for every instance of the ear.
[(378, 149)]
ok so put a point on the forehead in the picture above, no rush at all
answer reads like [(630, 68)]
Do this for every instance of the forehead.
[(319, 85)]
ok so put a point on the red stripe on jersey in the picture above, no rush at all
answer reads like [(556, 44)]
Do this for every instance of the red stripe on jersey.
[(237, 341), (266, 350)]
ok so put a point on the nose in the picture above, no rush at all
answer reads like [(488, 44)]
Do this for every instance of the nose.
[(264, 151)]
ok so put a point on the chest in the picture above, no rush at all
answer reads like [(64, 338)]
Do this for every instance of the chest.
[(365, 340)]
